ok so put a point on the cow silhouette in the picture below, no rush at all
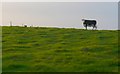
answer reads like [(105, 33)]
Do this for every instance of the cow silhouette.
[(25, 25), (89, 23)]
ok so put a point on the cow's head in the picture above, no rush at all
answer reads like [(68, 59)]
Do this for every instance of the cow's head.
[(83, 19)]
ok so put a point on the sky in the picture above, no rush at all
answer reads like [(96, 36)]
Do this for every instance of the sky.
[(60, 14), (60, 0)]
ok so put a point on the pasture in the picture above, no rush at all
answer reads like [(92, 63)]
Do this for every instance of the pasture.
[(35, 49)]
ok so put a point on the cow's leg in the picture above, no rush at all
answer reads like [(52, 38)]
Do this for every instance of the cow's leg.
[(93, 27), (86, 26)]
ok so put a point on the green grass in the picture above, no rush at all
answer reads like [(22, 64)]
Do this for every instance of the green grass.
[(33, 49), (0, 49)]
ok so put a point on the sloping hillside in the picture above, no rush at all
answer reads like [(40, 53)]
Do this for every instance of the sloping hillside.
[(30, 49)]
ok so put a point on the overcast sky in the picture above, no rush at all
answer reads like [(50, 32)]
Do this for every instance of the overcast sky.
[(60, 0), (60, 14)]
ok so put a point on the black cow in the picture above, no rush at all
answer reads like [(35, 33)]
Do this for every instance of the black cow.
[(89, 23), (25, 25)]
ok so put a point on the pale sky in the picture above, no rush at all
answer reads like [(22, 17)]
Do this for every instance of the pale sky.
[(60, 0), (60, 14)]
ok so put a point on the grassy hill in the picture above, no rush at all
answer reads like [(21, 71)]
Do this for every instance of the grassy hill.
[(30, 49)]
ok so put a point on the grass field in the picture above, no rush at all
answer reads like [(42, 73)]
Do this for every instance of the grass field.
[(33, 49)]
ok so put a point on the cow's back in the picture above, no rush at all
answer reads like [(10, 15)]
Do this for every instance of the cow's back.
[(90, 22)]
